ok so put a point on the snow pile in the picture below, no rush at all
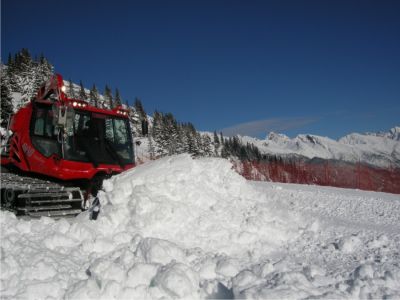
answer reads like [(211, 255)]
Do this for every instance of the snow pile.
[(201, 203), (184, 228)]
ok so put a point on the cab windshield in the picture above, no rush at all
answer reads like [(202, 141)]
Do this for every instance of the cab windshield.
[(99, 139)]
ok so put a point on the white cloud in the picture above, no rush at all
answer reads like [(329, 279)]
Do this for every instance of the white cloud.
[(255, 128)]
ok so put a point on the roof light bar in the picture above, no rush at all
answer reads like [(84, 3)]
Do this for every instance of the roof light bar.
[(121, 112), (78, 104)]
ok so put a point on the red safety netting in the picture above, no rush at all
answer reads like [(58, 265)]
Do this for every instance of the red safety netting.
[(328, 173)]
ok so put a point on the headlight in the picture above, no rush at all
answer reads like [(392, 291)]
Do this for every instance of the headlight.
[(63, 88)]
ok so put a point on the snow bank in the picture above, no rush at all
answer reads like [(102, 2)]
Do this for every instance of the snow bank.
[(184, 228)]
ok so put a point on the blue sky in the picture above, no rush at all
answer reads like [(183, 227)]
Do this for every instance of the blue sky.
[(320, 67)]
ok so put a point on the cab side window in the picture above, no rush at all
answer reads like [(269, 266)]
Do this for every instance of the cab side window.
[(44, 123), (39, 122), (43, 134)]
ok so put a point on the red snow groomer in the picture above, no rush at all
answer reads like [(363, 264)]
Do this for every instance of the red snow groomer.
[(59, 152)]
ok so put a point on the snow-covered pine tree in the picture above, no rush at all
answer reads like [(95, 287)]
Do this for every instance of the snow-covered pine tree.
[(206, 145), (26, 74), (135, 121), (143, 121), (199, 144), (165, 140), (82, 93), (184, 137), (221, 138), (10, 61), (23, 60), (236, 145), (9, 72), (108, 98), (71, 91), (12, 72), (180, 145), (243, 155), (170, 133), (253, 152), (6, 99), (94, 96), (216, 139), (158, 134), (216, 144), (151, 145), (117, 98), (43, 72), (226, 149), (191, 146), (139, 108), (224, 152)]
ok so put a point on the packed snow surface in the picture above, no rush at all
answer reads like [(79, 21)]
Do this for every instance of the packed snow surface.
[(185, 228)]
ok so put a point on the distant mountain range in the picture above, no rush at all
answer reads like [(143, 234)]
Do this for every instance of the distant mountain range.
[(378, 149)]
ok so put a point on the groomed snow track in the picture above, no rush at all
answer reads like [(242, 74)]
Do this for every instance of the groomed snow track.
[(32, 197)]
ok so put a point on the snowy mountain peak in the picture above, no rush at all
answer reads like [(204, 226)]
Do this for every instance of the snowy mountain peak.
[(277, 137), (394, 133)]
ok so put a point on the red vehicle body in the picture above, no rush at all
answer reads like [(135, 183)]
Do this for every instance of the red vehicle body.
[(48, 137)]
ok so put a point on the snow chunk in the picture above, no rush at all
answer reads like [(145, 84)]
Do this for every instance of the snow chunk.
[(160, 251), (227, 267), (178, 280), (142, 274), (350, 244)]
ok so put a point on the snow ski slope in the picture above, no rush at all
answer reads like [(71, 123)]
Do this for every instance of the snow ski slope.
[(185, 228)]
